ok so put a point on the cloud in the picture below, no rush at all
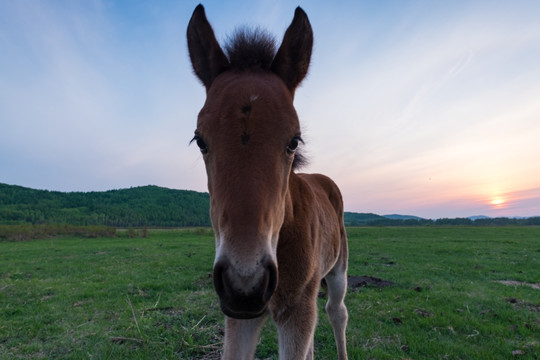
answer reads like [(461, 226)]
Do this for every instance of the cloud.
[(525, 201)]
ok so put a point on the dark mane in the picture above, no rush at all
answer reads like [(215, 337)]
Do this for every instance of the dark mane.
[(299, 161), (250, 48)]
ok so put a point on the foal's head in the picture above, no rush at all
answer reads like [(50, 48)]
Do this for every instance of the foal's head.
[(248, 133)]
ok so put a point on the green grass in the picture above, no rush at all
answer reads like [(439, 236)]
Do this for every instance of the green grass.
[(447, 303), (152, 298)]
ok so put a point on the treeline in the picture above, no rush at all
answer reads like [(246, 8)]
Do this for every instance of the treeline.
[(28, 231), (368, 219), (146, 206), (498, 221)]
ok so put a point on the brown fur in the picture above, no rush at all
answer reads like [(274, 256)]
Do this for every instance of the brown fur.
[(278, 233)]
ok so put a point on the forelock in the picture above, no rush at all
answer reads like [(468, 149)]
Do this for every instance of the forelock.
[(250, 48)]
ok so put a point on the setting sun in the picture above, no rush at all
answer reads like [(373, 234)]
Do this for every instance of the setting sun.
[(498, 202)]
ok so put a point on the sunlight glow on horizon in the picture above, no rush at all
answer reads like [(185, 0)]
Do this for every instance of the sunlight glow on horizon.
[(498, 202)]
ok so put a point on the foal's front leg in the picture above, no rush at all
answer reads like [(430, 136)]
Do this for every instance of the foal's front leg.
[(296, 334), (241, 338), (296, 327)]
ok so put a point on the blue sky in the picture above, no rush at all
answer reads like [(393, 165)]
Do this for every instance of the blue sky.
[(416, 107)]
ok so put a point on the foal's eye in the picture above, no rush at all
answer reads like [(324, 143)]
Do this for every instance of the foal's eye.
[(200, 143), (293, 145)]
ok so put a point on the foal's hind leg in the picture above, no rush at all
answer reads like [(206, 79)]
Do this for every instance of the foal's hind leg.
[(241, 338), (336, 281)]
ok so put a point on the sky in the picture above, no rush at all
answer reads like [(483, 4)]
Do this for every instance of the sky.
[(427, 108)]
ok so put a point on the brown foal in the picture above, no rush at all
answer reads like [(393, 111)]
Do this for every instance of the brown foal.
[(278, 233)]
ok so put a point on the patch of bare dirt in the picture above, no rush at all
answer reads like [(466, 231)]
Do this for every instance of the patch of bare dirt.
[(519, 303), (355, 282)]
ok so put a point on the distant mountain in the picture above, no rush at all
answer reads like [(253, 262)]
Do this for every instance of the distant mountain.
[(370, 219), (476, 217), (403, 217), (360, 219), (138, 206)]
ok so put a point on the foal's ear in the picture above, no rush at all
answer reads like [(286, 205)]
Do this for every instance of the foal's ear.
[(291, 62), (206, 55)]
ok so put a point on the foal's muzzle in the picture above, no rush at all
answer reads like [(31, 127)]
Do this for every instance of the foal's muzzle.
[(241, 298)]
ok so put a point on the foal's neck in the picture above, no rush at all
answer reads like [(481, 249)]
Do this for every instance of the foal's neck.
[(296, 196)]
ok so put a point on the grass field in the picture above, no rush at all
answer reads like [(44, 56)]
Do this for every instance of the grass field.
[(152, 298)]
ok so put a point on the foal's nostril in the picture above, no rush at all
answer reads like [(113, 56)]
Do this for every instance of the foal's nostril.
[(219, 281), (271, 281)]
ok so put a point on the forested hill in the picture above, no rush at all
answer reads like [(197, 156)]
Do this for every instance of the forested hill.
[(139, 206), (151, 206)]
